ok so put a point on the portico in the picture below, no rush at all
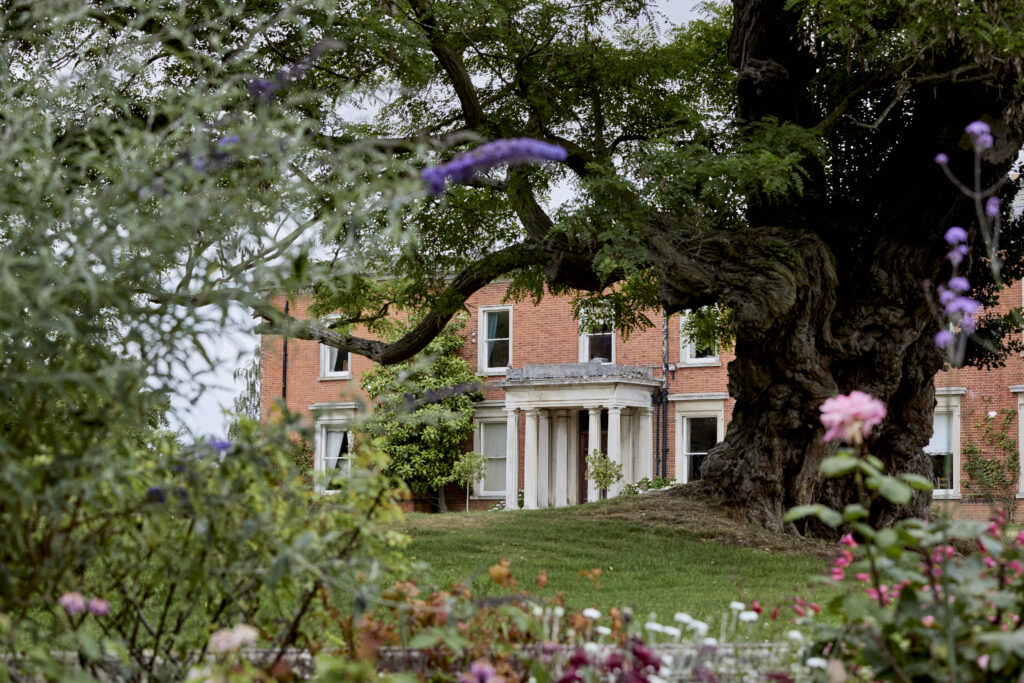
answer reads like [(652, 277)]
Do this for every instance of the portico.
[(571, 409)]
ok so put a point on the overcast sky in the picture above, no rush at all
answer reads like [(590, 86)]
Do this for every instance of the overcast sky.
[(202, 413)]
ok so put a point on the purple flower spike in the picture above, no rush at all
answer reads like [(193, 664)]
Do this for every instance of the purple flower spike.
[(943, 338), (976, 128), (945, 296), (992, 207), (514, 151), (73, 603), (955, 257), (963, 304), (968, 324), (229, 140), (959, 284), (220, 446), (941, 158), (956, 235)]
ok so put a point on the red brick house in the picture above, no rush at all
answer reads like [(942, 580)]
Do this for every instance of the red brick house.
[(552, 391)]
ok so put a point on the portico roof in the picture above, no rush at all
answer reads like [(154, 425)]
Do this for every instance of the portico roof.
[(578, 384)]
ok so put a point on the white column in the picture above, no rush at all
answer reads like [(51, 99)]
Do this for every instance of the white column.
[(646, 445), (512, 460), (628, 427), (530, 464), (593, 444), (573, 454), (544, 460), (560, 453), (615, 443)]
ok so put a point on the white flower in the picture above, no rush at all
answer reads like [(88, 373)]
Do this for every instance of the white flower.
[(992, 413), (683, 618), (816, 663), (672, 631), (699, 627), (795, 635), (737, 606), (654, 626), (538, 611), (591, 613), (748, 615), (709, 641), (591, 648), (559, 611), (603, 630), (666, 660)]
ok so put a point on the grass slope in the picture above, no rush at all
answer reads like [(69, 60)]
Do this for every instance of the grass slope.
[(660, 553)]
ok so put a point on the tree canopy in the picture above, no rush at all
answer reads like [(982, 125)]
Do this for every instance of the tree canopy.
[(773, 158)]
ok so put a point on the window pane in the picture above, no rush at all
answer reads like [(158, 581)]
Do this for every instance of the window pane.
[(497, 354), (339, 360), (942, 434), (494, 439), (494, 475), (600, 346), (497, 325), (942, 470), (703, 433), (696, 465), (699, 350)]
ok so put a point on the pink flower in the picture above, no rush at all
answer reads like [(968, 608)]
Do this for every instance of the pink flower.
[(851, 417), (990, 562), (928, 621), (99, 607), (756, 606), (847, 539), (73, 603), (800, 611), (838, 574), (983, 662), (863, 576)]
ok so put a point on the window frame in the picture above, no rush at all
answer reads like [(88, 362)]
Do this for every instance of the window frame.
[(325, 363), (687, 349), (687, 408), (330, 417), (484, 418), (947, 401), (482, 340), (584, 347)]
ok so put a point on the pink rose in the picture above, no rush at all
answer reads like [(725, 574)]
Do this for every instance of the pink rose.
[(851, 417)]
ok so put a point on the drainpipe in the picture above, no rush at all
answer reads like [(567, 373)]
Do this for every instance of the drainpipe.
[(284, 363), (664, 393)]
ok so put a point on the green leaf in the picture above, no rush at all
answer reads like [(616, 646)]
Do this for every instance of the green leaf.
[(425, 640), (838, 465), (916, 481), (886, 538), (826, 514), (854, 511), (894, 490), (279, 569)]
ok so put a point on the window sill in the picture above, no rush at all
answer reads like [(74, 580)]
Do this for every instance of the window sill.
[(487, 496), (328, 378), (492, 372), (946, 495), (701, 363)]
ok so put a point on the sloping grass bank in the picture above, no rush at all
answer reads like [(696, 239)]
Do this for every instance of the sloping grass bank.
[(660, 553)]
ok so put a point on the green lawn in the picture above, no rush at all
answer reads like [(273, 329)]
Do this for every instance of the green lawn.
[(659, 553)]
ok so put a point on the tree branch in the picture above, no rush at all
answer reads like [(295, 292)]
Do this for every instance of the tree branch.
[(447, 304)]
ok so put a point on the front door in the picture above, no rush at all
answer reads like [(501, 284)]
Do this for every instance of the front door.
[(585, 448)]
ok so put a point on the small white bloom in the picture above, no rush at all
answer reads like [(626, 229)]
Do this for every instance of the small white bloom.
[(591, 648), (666, 660), (709, 641), (795, 635), (672, 631), (538, 611), (748, 615), (737, 606), (603, 630), (683, 618), (654, 626), (816, 662), (559, 611), (699, 627), (992, 413), (591, 613)]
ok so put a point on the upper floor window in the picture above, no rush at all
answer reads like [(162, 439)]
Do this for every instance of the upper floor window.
[(495, 336), (598, 344), (693, 351), (334, 363)]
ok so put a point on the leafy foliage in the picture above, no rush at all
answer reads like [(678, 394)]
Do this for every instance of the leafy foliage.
[(992, 473), (423, 411), (603, 471)]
